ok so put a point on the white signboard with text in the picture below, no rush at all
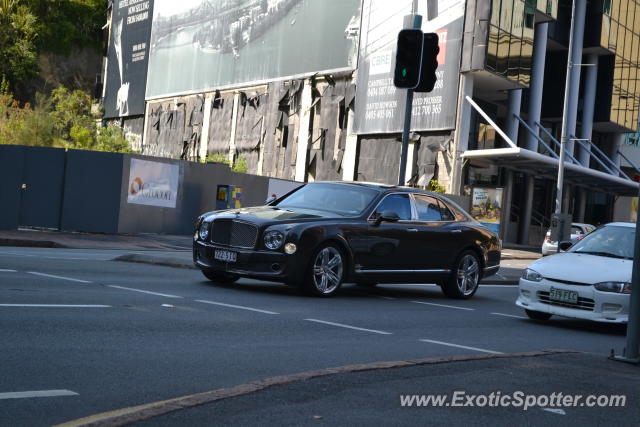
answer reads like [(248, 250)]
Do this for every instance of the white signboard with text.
[(153, 183)]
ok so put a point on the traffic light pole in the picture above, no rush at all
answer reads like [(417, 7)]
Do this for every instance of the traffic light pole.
[(411, 21), (632, 350)]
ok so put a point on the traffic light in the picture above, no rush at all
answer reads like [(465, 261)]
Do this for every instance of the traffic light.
[(430, 51), (408, 58)]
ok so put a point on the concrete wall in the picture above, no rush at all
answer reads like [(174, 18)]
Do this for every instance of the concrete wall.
[(196, 194)]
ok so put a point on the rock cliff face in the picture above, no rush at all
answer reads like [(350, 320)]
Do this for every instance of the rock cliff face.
[(78, 70)]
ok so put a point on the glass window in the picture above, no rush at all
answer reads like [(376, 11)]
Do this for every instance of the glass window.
[(428, 209), (609, 241), (445, 212), (338, 198), (398, 203)]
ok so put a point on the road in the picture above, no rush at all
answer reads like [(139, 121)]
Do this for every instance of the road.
[(107, 335)]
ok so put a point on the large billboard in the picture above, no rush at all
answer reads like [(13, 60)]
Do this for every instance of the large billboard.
[(199, 45), (379, 105), (127, 58)]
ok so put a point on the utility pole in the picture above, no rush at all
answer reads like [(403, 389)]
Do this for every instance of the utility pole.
[(564, 137), (632, 350)]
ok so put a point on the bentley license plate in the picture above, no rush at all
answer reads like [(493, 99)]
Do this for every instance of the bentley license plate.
[(563, 295), (225, 256)]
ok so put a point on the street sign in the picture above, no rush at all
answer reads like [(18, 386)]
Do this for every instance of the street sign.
[(560, 227)]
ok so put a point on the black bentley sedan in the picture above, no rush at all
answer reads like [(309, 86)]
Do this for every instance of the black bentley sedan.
[(327, 233)]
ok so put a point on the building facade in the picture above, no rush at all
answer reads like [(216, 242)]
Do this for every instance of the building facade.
[(302, 90)]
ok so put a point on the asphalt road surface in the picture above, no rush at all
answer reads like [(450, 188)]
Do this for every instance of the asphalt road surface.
[(82, 334)]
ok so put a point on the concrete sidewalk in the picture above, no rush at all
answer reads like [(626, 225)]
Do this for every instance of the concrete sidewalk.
[(370, 394), (154, 248)]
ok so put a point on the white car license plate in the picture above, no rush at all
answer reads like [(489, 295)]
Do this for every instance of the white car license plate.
[(225, 256), (563, 295)]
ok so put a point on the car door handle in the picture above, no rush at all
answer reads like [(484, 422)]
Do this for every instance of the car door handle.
[(412, 230), (456, 231)]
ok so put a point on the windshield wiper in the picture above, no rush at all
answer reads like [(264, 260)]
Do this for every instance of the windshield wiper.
[(607, 254)]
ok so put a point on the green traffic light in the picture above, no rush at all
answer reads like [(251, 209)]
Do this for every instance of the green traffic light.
[(404, 72)]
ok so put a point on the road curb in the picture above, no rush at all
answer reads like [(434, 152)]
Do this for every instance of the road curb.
[(144, 412), (26, 243), (156, 260)]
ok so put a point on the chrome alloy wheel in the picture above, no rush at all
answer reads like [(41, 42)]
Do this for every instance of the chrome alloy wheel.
[(328, 267), (468, 274)]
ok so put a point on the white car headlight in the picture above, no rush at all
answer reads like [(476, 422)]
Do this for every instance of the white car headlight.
[(616, 287), (273, 240), (532, 275), (204, 230)]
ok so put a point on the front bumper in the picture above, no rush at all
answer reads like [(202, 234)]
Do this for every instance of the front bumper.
[(593, 305), (264, 265)]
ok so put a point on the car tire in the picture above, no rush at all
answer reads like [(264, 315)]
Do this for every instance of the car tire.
[(465, 277), (326, 271), (219, 277), (538, 315)]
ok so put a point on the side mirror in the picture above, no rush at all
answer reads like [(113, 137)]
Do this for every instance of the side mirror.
[(565, 245), (388, 216)]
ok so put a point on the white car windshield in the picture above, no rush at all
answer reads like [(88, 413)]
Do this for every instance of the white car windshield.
[(610, 241)]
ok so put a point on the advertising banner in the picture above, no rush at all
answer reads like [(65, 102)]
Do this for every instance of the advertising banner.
[(153, 183), (379, 105), (127, 58), (199, 45), (486, 207)]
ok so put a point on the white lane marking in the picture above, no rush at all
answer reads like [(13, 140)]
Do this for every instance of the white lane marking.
[(443, 305), (37, 393), (389, 298), (510, 315), (144, 292), (349, 327), (57, 305), (59, 277), (501, 276), (4, 270), (482, 350), (241, 307), (555, 411)]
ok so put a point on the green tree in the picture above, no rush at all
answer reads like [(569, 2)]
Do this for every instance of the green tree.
[(65, 24), (72, 118), (18, 56)]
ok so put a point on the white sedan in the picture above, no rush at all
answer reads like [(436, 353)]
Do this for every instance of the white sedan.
[(592, 280)]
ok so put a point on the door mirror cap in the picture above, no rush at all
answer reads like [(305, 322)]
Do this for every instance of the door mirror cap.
[(565, 245), (389, 216)]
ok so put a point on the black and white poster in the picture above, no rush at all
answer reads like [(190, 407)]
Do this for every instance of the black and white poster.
[(379, 105), (128, 58), (199, 45)]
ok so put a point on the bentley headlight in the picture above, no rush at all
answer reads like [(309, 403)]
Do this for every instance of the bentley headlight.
[(616, 287), (532, 275), (273, 240), (204, 230)]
